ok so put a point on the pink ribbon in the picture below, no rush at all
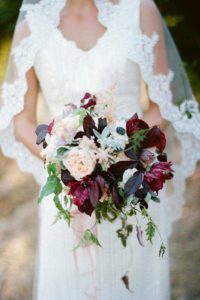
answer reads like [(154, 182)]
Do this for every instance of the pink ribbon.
[(85, 257)]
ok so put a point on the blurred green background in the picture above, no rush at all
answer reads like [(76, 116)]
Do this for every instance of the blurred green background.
[(18, 191)]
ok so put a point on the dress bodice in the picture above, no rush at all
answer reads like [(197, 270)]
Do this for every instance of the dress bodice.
[(66, 72)]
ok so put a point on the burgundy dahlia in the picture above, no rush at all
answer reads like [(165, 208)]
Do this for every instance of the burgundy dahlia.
[(134, 124), (80, 190), (157, 175)]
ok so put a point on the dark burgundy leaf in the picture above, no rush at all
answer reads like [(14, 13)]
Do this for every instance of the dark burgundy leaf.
[(108, 176), (143, 204), (86, 208), (162, 157), (66, 177), (79, 135), (130, 153), (126, 282), (88, 125), (102, 123), (94, 194), (120, 167), (141, 193), (133, 184), (155, 138), (116, 198), (101, 183)]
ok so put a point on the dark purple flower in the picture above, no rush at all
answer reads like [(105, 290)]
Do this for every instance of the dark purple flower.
[(147, 156), (80, 190), (158, 174)]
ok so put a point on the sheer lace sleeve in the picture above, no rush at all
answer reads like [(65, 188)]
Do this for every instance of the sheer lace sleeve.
[(168, 86), (12, 100)]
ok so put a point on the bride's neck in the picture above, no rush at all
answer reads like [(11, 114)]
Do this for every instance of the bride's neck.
[(80, 6), (80, 3)]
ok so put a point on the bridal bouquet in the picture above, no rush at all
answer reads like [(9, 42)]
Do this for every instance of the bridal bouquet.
[(112, 168)]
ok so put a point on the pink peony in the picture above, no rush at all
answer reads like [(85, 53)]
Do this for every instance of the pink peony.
[(157, 175)]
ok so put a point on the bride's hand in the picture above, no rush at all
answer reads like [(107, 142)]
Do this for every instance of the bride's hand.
[(153, 117), (25, 121)]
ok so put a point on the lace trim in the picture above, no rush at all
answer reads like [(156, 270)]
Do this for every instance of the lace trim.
[(187, 130), (13, 94)]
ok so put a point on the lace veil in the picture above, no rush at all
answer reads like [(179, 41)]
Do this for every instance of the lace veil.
[(149, 44)]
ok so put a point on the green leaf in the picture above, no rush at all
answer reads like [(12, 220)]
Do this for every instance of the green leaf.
[(124, 232), (82, 114), (53, 185), (64, 214), (150, 231), (51, 168), (155, 198), (61, 152), (144, 212), (137, 138), (87, 238)]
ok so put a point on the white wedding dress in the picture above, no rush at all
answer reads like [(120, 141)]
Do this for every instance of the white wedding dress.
[(65, 73), (120, 60)]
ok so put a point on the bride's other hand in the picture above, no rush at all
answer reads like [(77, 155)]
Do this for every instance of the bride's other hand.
[(25, 122), (153, 117)]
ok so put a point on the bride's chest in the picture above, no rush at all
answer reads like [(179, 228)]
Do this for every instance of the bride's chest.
[(65, 70)]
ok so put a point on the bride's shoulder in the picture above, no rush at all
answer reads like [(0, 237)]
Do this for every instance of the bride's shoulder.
[(150, 17), (149, 7)]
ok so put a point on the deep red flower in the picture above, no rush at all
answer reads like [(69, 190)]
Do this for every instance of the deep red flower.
[(50, 127), (91, 101), (157, 175), (80, 190), (134, 124), (86, 96)]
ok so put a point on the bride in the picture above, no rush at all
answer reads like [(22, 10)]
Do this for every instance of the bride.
[(121, 48)]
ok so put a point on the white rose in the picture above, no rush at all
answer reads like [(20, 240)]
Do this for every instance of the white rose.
[(67, 128), (79, 163), (49, 151), (127, 175)]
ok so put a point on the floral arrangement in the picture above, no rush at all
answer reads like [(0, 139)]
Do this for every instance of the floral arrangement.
[(112, 168)]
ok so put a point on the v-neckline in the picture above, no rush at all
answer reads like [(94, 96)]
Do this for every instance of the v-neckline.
[(99, 40), (73, 43)]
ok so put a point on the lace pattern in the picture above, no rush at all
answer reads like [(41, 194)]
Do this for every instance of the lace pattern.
[(13, 94), (137, 46)]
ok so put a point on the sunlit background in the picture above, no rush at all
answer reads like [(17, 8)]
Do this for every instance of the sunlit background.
[(18, 191)]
